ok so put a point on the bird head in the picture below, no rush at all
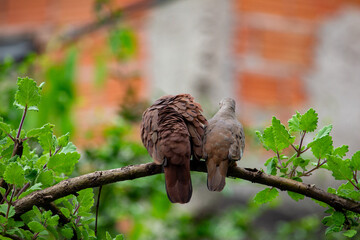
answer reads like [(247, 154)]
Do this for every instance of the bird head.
[(227, 103)]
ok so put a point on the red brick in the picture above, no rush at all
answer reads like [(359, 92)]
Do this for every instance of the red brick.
[(266, 90), (305, 9), (26, 12), (288, 47)]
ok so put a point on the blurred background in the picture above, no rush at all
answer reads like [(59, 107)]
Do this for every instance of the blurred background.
[(105, 61)]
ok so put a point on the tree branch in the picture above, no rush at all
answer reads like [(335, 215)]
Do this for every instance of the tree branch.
[(98, 178)]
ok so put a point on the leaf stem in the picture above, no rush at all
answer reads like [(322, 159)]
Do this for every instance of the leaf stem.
[(23, 189), (301, 143), (22, 122), (11, 137), (316, 167), (9, 204)]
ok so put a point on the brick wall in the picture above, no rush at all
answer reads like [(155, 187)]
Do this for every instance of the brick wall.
[(274, 45)]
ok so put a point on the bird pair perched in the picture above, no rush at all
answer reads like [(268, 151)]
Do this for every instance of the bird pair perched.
[(173, 130)]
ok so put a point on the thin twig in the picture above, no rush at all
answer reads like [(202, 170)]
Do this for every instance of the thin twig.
[(97, 210), (22, 122)]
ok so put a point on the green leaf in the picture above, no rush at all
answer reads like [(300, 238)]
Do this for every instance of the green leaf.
[(63, 140), (350, 233), (321, 147), (294, 123), (341, 151), (67, 232), (3, 208), (338, 218), (36, 132), (325, 131), (63, 163), (266, 195), (53, 220), (28, 94), (2, 169), (65, 211), (282, 137), (70, 147), (120, 237), (14, 174), (36, 226), (308, 121), (267, 138), (46, 178), (271, 166), (5, 127), (86, 200), (355, 161), (340, 168), (108, 236), (295, 196)]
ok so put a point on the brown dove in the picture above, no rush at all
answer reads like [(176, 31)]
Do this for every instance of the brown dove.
[(224, 143), (172, 130)]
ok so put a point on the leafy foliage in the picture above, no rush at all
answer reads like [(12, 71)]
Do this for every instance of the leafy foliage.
[(25, 169), (277, 138)]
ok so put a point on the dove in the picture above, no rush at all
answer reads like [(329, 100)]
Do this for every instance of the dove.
[(224, 143), (172, 130)]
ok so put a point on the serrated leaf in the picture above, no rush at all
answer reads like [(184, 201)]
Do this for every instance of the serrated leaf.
[(67, 232), (355, 161), (340, 168), (308, 121), (338, 218), (63, 140), (271, 166), (63, 163), (48, 142), (53, 220), (325, 131), (65, 211), (3, 208), (321, 147), (341, 151), (350, 233), (267, 139), (322, 204), (266, 195), (282, 137), (70, 147), (295, 196), (36, 132), (28, 94), (46, 178), (294, 123), (86, 200), (36, 226), (5, 127), (14, 174)]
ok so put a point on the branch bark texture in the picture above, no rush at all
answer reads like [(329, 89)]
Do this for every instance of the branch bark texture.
[(99, 178)]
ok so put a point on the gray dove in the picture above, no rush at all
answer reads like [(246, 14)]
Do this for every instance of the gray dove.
[(224, 143)]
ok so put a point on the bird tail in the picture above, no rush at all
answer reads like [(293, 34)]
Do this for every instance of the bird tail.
[(178, 182), (216, 175)]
